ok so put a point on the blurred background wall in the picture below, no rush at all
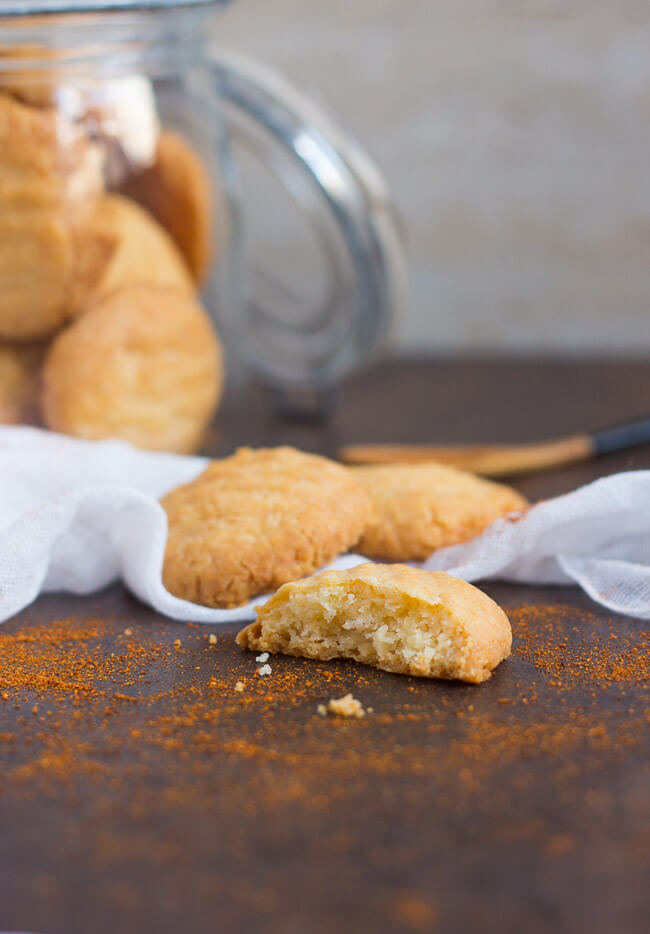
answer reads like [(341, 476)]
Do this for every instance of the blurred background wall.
[(515, 136)]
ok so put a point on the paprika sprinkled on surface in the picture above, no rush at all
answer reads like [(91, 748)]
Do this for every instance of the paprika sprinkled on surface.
[(151, 730), (67, 664)]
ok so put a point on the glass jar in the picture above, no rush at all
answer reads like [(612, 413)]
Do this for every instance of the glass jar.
[(123, 141)]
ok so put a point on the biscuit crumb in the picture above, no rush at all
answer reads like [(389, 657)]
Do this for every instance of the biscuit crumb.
[(239, 687), (347, 706), (5, 696), (177, 643), (212, 639), (264, 657), (321, 710), (128, 632), (264, 670)]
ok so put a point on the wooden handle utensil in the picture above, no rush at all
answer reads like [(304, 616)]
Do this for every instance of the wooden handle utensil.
[(498, 460)]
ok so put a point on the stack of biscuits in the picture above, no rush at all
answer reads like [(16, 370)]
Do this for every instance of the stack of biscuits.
[(101, 258)]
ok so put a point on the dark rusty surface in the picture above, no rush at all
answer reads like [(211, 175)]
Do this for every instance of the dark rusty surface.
[(521, 804)]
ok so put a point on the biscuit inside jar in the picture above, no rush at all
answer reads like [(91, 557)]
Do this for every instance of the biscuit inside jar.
[(50, 178), (176, 190), (20, 366), (143, 250), (142, 364), (146, 365), (392, 617)]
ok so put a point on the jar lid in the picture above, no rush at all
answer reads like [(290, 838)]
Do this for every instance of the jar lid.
[(325, 269), (43, 7)]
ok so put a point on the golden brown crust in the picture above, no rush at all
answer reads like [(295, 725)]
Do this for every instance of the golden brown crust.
[(252, 521), (177, 191), (144, 252), (479, 633), (142, 364), (20, 367), (418, 508)]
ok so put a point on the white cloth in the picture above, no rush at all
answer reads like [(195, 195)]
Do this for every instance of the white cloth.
[(597, 537), (77, 515)]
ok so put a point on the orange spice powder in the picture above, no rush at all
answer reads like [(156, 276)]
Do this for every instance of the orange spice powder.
[(87, 698), (613, 657)]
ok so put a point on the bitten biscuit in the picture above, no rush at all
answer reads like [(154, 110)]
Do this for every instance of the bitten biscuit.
[(255, 520), (142, 364), (20, 366), (418, 508), (144, 253), (177, 191), (393, 617)]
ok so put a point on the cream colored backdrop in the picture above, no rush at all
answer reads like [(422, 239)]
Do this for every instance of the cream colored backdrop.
[(516, 139)]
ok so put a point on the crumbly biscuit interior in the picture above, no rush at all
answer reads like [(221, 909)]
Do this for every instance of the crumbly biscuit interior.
[(376, 626)]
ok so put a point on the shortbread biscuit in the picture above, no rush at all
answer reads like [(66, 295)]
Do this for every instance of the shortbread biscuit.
[(49, 181), (255, 520), (35, 268), (143, 364), (393, 617), (48, 270), (118, 112), (20, 366), (145, 253), (46, 160), (418, 508), (177, 191)]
